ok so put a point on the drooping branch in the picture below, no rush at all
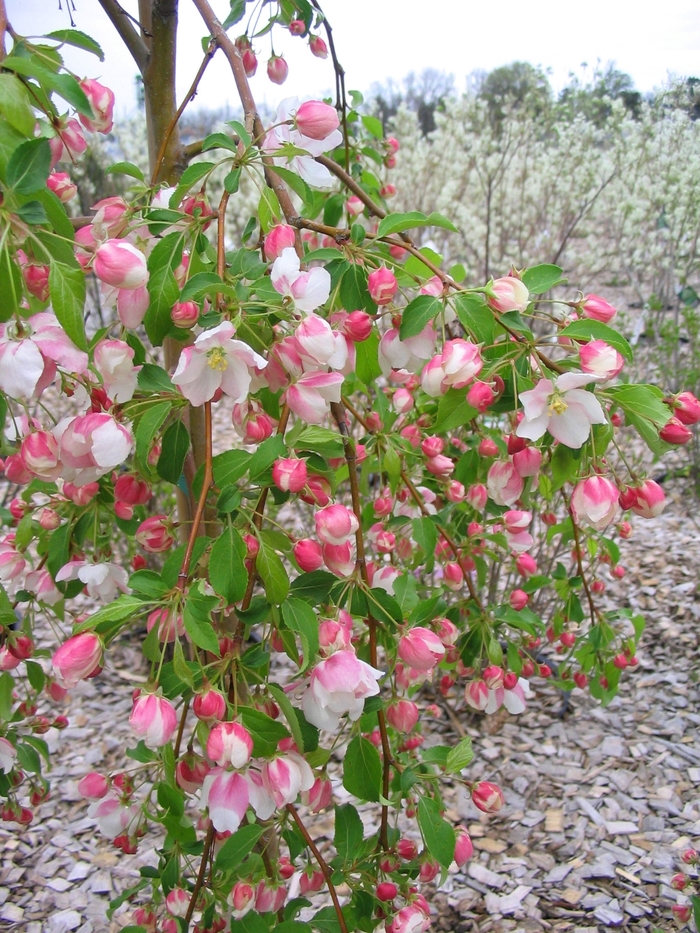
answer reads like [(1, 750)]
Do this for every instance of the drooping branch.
[(325, 870), (132, 40)]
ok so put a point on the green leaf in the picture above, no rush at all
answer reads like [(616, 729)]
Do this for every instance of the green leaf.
[(425, 535), (236, 14), (201, 284), (438, 834), (266, 454), (395, 223), (176, 443), (27, 758), (78, 39), (644, 401), (300, 618), (29, 166), (67, 290), (453, 411), (35, 675), (241, 132), (373, 126), (153, 378), (7, 686), (349, 833), (362, 770), (16, 104), (417, 314), (162, 287), (540, 279), (475, 316), (148, 583), (565, 465), (353, 292), (192, 174), (265, 731), (321, 440), (596, 330), (272, 573), (236, 847), (196, 618), (460, 756), (227, 573), (297, 184), (11, 293), (32, 212), (149, 424), (123, 607), (232, 181), (314, 587), (125, 168), (367, 366), (63, 84), (230, 466), (301, 730)]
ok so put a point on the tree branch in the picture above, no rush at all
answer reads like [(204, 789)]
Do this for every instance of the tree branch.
[(129, 36), (327, 874)]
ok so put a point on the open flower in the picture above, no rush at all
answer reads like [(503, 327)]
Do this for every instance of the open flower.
[(283, 133), (563, 408), (28, 359), (216, 361), (339, 685), (307, 289)]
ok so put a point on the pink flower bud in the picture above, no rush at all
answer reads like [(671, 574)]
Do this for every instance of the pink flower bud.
[(406, 849), (597, 309), (121, 265), (488, 447), (647, 500), (339, 558), (170, 626), (36, 279), (382, 285), (318, 490), (241, 899), (177, 901), (94, 786), (455, 492), (209, 706), (184, 314), (681, 912), (277, 69), (690, 857), (297, 27), (130, 489), (335, 524), (679, 882), (154, 535), (595, 501), (518, 600), (62, 186), (229, 743), (421, 649), (686, 408), (289, 474), (440, 466), (40, 455), (493, 677), (453, 576), (403, 715), (508, 294), (316, 119), (318, 47), (387, 891), (503, 483), (526, 565), (675, 432), (527, 462), (477, 497), (600, 359), (464, 848), (487, 797), (308, 554), (357, 326), (153, 718), (432, 446), (481, 396), (319, 796), (8, 662), (388, 191), (279, 238), (101, 100), (354, 206), (77, 658)]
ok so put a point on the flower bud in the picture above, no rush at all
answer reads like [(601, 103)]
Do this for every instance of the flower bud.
[(101, 100), (508, 294), (453, 576), (600, 359), (403, 715), (209, 706), (77, 658), (153, 718), (277, 69), (406, 849), (318, 47), (675, 432), (464, 848), (335, 524), (153, 534), (421, 649), (597, 309), (230, 743), (526, 565), (94, 786), (387, 891), (184, 314), (382, 285), (488, 447), (279, 238), (487, 797), (686, 408), (595, 501), (319, 796), (527, 462), (289, 474), (119, 264), (297, 27), (308, 554), (62, 186)]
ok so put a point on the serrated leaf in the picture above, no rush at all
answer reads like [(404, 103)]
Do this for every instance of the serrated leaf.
[(163, 289), (78, 39), (29, 166), (373, 126), (395, 223), (300, 618), (16, 104), (453, 411), (148, 583), (192, 174), (596, 330), (149, 424), (349, 833), (438, 834), (11, 293), (236, 847), (153, 378), (125, 168), (362, 770), (540, 279), (174, 447), (124, 607), (196, 618), (230, 466), (367, 366), (321, 440), (417, 314), (460, 756), (67, 289), (295, 182), (272, 574), (475, 316), (227, 572), (265, 731), (425, 535)]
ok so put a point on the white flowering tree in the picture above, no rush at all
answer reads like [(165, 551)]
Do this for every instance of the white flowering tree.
[(401, 446)]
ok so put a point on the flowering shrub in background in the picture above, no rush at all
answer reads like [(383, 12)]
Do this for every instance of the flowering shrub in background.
[(422, 486)]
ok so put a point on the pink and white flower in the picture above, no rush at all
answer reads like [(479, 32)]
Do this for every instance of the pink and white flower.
[(114, 361), (339, 684), (230, 743), (217, 361), (458, 364), (91, 445), (421, 649), (28, 358), (103, 581), (595, 501), (312, 172), (600, 359), (309, 290), (120, 264), (311, 395), (503, 482), (113, 816), (225, 794), (8, 755), (77, 658), (101, 100), (563, 408), (285, 777), (153, 719), (336, 524), (407, 355)]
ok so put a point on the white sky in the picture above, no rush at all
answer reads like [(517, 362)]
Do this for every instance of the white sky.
[(378, 39)]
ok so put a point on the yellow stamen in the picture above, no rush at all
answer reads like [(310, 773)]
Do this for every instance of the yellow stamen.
[(557, 406), (217, 359)]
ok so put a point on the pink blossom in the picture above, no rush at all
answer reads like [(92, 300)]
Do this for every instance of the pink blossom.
[(385, 577), (101, 100), (309, 290), (230, 743), (111, 219), (508, 294), (310, 396), (114, 818), (153, 719), (120, 264), (382, 285), (527, 462), (595, 501), (675, 432), (647, 500), (339, 558), (154, 534), (69, 143), (39, 455), (28, 358), (407, 355), (319, 345), (563, 408), (12, 563), (336, 524), (277, 69), (216, 361), (225, 794), (503, 483), (77, 658), (241, 899), (464, 849), (279, 238), (8, 755), (103, 580), (339, 684), (289, 474), (487, 796), (62, 186), (600, 359), (421, 649), (285, 777), (93, 786), (114, 361), (598, 309), (319, 795), (91, 445), (403, 715), (318, 47), (686, 408)]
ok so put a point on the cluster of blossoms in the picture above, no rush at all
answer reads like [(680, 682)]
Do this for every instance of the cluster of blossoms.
[(404, 434)]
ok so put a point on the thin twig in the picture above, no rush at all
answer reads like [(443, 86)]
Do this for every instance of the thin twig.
[(201, 504), (208, 842), (121, 20), (579, 563), (327, 874)]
